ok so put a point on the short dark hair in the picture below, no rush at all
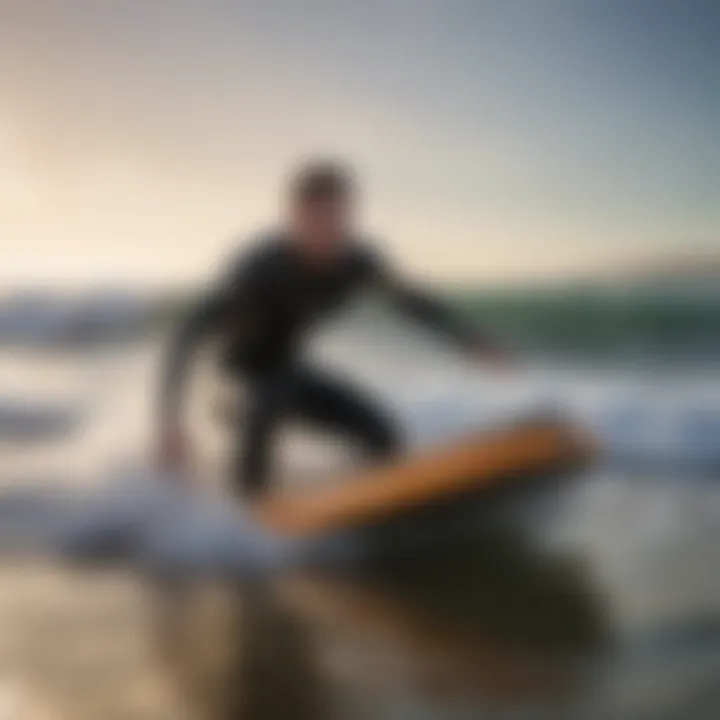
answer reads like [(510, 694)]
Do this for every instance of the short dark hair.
[(321, 180)]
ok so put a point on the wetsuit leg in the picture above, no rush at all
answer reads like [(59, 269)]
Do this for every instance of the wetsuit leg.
[(325, 402), (334, 404), (265, 404)]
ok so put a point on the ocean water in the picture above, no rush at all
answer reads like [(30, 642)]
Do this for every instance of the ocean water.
[(596, 597)]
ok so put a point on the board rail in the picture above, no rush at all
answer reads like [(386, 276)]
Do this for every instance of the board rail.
[(480, 461)]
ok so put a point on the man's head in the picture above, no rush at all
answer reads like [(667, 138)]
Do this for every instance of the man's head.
[(321, 200)]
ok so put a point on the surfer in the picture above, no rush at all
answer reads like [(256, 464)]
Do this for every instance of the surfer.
[(264, 308)]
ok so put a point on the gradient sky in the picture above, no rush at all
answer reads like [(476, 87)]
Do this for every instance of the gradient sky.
[(497, 138)]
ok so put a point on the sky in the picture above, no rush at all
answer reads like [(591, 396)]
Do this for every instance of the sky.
[(496, 139)]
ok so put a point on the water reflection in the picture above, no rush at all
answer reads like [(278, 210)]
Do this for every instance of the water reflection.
[(493, 624), (237, 652)]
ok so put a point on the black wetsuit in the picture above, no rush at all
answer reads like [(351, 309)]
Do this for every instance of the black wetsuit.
[(262, 311)]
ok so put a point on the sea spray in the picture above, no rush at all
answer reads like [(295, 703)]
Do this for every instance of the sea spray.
[(142, 518)]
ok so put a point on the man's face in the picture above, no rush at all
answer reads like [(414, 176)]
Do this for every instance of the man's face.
[(322, 225)]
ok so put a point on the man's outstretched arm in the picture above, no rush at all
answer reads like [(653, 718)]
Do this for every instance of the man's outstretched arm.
[(431, 312)]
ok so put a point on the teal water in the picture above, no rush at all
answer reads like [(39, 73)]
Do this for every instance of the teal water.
[(648, 324)]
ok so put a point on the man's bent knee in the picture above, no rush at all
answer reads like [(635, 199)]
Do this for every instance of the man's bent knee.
[(383, 441)]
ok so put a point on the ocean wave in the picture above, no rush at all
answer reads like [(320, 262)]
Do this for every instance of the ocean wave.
[(143, 518), (645, 425), (31, 421)]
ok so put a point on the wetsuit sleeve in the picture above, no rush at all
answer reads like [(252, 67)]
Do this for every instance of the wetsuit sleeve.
[(206, 317), (425, 308)]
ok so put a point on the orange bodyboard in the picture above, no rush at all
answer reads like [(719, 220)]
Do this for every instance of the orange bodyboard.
[(483, 460)]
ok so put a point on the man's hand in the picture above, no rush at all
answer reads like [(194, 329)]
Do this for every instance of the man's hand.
[(173, 450), (494, 357)]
